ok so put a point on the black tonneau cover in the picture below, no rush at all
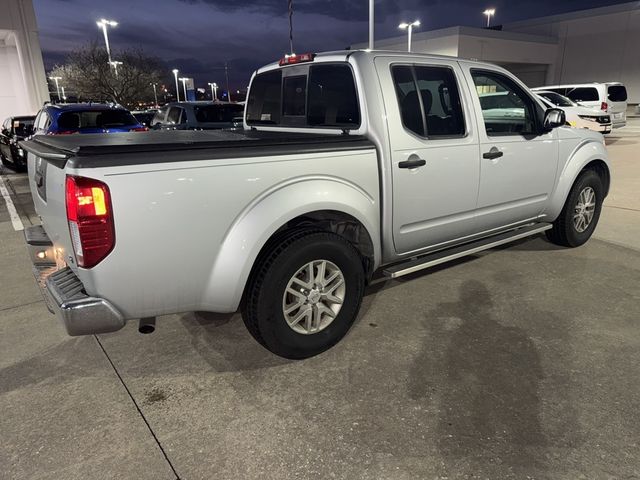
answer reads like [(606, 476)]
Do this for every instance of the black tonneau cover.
[(137, 148)]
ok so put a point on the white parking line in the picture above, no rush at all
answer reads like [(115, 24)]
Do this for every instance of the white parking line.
[(11, 208)]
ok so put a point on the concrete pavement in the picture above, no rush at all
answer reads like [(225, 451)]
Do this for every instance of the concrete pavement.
[(521, 362)]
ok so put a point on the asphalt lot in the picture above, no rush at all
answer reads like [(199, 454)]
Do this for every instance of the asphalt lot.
[(521, 362)]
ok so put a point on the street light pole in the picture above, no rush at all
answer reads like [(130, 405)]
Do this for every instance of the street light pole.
[(489, 12), (184, 86), (214, 91), (175, 75), (226, 74), (409, 28), (371, 23), (103, 23), (55, 79), (155, 93)]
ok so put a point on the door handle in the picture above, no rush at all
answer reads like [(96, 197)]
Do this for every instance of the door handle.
[(414, 163), (492, 154)]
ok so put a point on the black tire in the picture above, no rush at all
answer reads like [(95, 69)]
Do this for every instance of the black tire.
[(564, 232), (262, 306)]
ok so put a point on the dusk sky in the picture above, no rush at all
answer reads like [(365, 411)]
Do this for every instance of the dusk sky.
[(198, 36)]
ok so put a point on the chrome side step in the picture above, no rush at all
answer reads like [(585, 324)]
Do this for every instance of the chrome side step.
[(443, 256)]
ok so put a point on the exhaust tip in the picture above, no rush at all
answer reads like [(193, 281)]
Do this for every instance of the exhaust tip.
[(147, 325)]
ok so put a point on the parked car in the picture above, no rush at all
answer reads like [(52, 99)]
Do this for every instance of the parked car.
[(69, 118), (13, 130), (145, 117), (354, 163), (197, 116), (610, 97), (577, 116)]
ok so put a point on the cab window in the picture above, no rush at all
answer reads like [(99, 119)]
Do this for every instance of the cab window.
[(429, 100), (506, 108)]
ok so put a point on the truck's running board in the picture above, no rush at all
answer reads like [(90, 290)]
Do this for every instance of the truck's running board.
[(443, 256)]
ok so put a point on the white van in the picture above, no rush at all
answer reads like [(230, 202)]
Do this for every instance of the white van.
[(610, 97)]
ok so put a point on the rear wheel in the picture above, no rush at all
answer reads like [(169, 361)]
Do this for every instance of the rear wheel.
[(305, 294), (581, 212)]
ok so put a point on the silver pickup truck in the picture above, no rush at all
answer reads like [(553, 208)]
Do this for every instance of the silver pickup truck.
[(350, 164)]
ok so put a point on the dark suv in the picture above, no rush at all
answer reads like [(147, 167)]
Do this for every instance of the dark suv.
[(13, 130), (198, 116), (85, 118)]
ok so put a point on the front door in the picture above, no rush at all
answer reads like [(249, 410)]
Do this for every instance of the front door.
[(518, 162), (434, 152)]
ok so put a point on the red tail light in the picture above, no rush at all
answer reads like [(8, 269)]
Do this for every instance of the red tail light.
[(604, 106), (140, 129), (90, 218)]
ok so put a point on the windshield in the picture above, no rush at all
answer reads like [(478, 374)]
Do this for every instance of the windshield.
[(96, 119), (217, 113), (557, 99)]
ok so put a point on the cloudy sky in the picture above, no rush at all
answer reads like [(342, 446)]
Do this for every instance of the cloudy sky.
[(198, 36)]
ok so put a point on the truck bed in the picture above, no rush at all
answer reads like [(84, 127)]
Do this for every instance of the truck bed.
[(122, 149)]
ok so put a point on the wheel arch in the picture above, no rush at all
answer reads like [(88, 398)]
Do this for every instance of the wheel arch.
[(320, 204), (589, 155)]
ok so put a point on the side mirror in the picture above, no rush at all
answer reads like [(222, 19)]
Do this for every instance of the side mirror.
[(554, 118)]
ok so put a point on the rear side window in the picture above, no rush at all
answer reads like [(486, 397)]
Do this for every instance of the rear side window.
[(159, 116), (429, 101), (265, 98), (174, 115), (333, 101), (323, 97), (217, 113), (617, 93), (95, 119), (583, 94)]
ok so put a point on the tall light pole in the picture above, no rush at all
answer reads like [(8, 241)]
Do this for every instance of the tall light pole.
[(64, 97), (371, 23), (214, 91), (56, 79), (175, 75), (155, 93), (226, 74), (184, 86), (489, 12), (409, 28), (103, 24)]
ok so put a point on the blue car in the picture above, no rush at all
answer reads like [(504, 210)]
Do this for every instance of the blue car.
[(85, 118)]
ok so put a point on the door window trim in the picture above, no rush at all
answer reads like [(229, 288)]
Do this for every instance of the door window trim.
[(465, 134)]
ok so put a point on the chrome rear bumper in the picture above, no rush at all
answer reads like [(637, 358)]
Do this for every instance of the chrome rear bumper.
[(65, 296)]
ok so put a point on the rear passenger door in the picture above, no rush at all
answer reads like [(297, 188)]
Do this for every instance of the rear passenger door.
[(434, 152)]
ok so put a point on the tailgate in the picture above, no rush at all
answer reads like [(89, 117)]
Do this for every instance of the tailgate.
[(47, 176)]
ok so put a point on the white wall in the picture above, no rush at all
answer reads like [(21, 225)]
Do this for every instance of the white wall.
[(23, 84), (596, 46)]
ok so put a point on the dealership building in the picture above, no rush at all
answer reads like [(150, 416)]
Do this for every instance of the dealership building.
[(23, 83), (596, 45)]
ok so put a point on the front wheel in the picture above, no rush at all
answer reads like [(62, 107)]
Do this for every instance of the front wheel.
[(581, 212), (304, 294)]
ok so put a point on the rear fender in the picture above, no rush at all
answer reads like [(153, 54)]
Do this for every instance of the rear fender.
[(587, 151), (269, 212)]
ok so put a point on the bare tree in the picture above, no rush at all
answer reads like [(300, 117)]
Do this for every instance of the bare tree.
[(87, 73)]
